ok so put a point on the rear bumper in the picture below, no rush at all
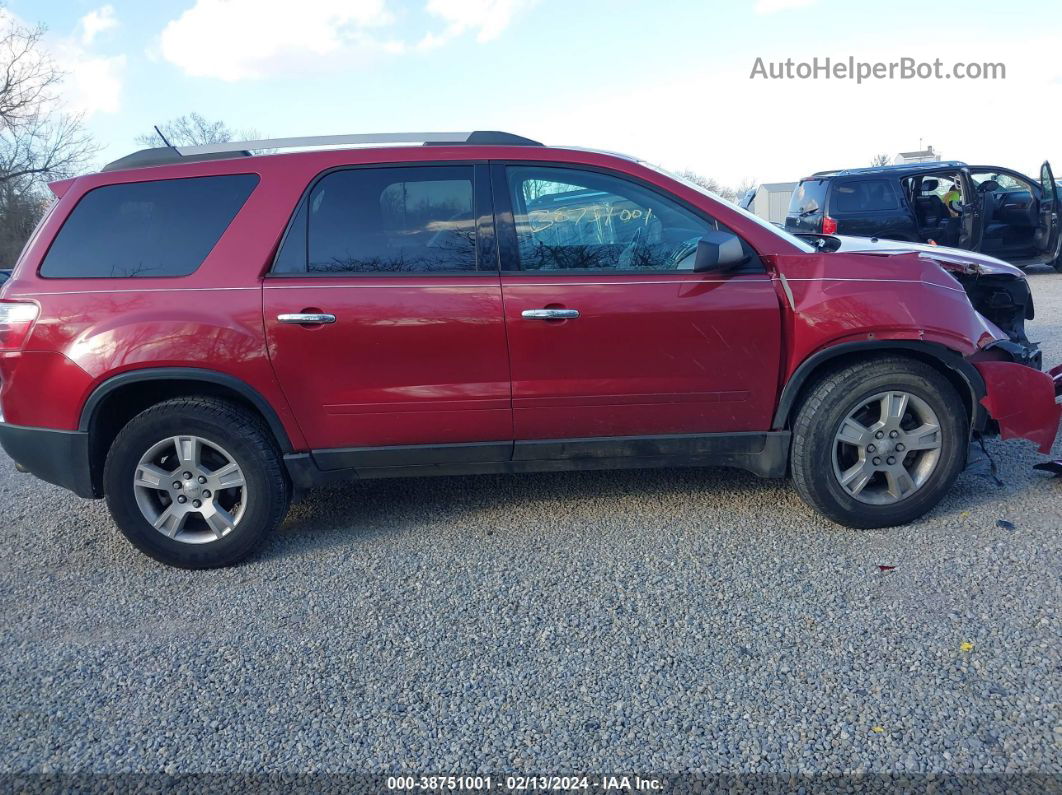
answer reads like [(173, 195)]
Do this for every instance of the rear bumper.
[(58, 457), (1022, 401)]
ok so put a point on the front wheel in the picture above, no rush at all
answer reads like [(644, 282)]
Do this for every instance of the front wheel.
[(879, 443), (196, 482)]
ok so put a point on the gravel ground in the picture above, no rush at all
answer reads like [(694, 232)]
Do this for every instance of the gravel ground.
[(609, 621)]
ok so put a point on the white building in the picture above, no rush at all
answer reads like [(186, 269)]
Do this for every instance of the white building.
[(926, 155), (772, 201)]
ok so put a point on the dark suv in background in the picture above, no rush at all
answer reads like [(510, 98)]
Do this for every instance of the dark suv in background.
[(998, 211)]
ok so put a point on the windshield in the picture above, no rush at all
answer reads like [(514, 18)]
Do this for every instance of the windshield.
[(777, 230)]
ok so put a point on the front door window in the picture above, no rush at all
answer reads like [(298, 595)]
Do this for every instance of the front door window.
[(576, 221)]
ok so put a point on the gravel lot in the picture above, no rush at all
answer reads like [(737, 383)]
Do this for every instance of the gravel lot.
[(630, 622)]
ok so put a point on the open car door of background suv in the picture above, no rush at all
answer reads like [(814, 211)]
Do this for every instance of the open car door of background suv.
[(1049, 224), (973, 214)]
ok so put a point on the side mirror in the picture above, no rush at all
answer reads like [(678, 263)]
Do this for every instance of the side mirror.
[(719, 251)]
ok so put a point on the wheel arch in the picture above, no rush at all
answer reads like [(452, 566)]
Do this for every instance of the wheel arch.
[(951, 364), (119, 398)]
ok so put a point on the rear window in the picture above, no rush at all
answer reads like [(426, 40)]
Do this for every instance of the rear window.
[(808, 197), (144, 229), (863, 196)]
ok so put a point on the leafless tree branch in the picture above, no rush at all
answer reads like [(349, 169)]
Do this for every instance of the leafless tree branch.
[(194, 129), (29, 77), (39, 142)]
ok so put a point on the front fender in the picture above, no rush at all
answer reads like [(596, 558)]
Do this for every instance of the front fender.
[(842, 298)]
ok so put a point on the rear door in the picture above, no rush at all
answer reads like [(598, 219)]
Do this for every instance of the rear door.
[(871, 207), (384, 318), (1049, 222), (611, 333)]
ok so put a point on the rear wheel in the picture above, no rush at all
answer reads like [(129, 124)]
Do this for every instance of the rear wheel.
[(196, 482), (879, 443)]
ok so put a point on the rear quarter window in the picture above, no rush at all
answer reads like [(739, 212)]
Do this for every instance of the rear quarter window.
[(864, 196), (808, 197), (146, 229)]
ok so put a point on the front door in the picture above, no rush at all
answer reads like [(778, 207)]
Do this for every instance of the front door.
[(611, 333), (1049, 239), (384, 321)]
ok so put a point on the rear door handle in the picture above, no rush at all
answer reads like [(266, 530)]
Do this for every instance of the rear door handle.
[(550, 314), (307, 318)]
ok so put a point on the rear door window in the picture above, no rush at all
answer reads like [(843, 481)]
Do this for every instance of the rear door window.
[(389, 220), (864, 196), (809, 197), (145, 229)]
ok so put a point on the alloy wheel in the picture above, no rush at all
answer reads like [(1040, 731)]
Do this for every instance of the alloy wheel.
[(886, 448), (190, 489)]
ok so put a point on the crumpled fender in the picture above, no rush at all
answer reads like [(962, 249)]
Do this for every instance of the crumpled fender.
[(1022, 401)]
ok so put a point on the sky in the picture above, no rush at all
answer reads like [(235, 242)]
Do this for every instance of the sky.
[(669, 82)]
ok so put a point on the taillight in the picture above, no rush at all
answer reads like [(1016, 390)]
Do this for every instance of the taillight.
[(16, 320), (829, 226)]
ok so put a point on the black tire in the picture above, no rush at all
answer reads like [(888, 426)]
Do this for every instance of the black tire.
[(242, 435), (1056, 264), (828, 403)]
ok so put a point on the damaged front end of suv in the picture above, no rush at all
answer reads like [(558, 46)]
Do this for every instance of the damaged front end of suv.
[(1019, 400), (1001, 294)]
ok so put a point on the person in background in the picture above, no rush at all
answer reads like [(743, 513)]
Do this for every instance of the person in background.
[(954, 194)]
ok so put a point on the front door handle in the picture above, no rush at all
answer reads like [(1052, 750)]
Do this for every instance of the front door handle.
[(550, 314), (307, 318)]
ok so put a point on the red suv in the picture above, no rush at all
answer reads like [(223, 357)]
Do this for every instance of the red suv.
[(198, 333)]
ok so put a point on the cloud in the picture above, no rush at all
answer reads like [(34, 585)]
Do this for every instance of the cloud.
[(764, 7), (241, 39), (93, 84), (488, 18), (96, 22), (246, 39)]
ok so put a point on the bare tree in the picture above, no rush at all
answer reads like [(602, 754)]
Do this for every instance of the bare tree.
[(715, 186), (43, 149), (880, 160), (194, 129), (39, 142), (708, 183), (743, 187), (29, 77), (19, 213)]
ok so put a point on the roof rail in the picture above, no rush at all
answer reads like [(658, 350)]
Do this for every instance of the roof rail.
[(168, 155), (919, 166)]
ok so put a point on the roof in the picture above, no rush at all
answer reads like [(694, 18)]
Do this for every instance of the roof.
[(171, 155), (899, 167), (778, 185)]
